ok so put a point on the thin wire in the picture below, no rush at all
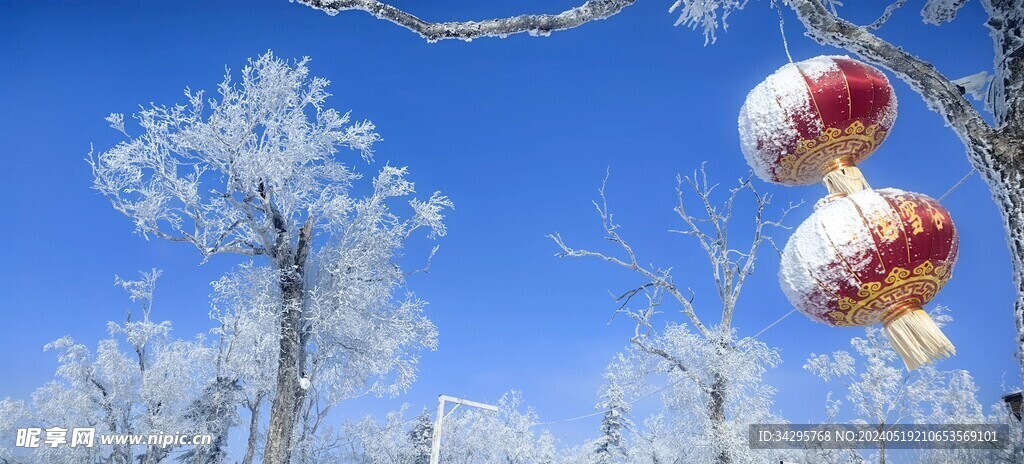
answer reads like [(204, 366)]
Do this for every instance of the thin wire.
[(773, 323), (958, 184), (782, 31)]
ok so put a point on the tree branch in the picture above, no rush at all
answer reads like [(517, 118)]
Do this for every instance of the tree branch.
[(889, 10), (534, 24), (938, 92)]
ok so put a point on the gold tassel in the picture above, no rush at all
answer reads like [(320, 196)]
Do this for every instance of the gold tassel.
[(916, 337), (842, 177)]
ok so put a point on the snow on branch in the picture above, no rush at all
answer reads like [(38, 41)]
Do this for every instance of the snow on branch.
[(820, 17), (705, 14), (534, 24), (1006, 93), (660, 278), (239, 173), (889, 10), (730, 266), (708, 16), (938, 92)]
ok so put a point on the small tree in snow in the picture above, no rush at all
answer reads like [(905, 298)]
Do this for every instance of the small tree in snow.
[(611, 446), (421, 436), (257, 172), (714, 375)]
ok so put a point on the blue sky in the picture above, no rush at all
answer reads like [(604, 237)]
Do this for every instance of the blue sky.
[(518, 132)]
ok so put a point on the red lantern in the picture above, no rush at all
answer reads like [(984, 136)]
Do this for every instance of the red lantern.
[(815, 120), (874, 256)]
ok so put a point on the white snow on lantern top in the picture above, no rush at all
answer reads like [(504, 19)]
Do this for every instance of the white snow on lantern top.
[(775, 110)]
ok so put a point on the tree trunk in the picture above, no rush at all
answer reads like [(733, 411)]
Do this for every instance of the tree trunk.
[(284, 411), (291, 357), (717, 413), (1006, 182), (254, 429)]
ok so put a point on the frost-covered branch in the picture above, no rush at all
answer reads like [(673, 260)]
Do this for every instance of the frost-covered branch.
[(660, 278), (889, 10), (939, 92), (730, 266), (534, 24)]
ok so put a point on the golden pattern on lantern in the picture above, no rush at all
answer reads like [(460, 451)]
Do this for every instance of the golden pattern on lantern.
[(814, 157), (902, 286)]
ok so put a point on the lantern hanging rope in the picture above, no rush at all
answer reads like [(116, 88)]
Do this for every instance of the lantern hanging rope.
[(875, 256), (815, 121)]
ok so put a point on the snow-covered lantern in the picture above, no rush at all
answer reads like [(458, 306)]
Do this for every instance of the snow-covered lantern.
[(874, 256), (815, 120)]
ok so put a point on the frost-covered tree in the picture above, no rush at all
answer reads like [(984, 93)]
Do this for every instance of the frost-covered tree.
[(879, 390), (257, 171), (610, 447), (714, 376), (471, 436), (706, 409), (365, 344), (14, 415), (995, 149), (138, 381), (421, 436), (367, 442), (245, 304), (957, 403), (475, 436)]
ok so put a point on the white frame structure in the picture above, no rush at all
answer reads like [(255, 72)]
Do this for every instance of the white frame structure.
[(435, 444)]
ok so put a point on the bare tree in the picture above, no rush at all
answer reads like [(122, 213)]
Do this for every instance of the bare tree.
[(716, 345), (995, 150)]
